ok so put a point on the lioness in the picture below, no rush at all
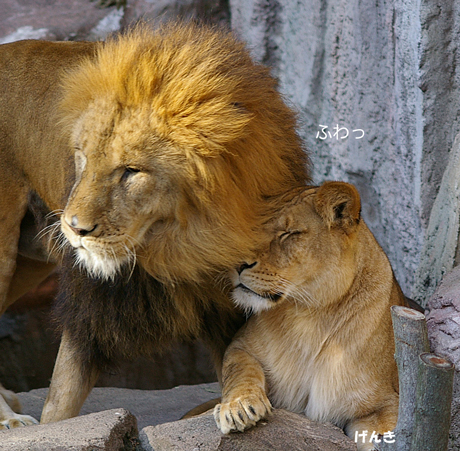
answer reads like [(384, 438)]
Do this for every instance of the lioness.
[(146, 163), (321, 340)]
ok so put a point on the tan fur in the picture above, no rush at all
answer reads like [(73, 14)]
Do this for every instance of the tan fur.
[(321, 341), (154, 148)]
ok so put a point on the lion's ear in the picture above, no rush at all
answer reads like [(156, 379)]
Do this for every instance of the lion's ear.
[(338, 204)]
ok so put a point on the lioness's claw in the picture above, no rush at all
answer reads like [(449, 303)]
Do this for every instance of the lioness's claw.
[(241, 414)]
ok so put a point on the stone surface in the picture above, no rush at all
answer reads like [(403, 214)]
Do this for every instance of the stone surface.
[(215, 11), (111, 430), (443, 322), (282, 431), (150, 407), (158, 416)]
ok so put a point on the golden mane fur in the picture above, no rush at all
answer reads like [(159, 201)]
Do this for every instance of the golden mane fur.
[(159, 154), (321, 342)]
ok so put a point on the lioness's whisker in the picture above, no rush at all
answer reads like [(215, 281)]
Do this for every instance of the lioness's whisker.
[(300, 292)]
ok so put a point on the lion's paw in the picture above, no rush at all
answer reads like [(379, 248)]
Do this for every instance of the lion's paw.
[(241, 413), (17, 421)]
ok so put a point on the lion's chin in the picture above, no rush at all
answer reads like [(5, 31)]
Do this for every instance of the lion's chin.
[(99, 266)]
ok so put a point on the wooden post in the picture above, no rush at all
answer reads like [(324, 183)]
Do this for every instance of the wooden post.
[(411, 340), (433, 403)]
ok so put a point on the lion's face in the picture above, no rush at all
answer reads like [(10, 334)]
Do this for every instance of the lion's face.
[(122, 188), (309, 255)]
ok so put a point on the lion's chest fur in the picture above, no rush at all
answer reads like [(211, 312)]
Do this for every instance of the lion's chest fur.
[(308, 370)]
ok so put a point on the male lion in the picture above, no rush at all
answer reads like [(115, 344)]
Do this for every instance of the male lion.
[(321, 341), (156, 154)]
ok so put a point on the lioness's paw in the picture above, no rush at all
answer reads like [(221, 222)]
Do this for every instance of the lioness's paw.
[(241, 413), (17, 421)]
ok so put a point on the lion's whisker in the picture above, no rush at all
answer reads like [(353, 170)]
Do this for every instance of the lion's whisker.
[(222, 280), (54, 213), (45, 231), (131, 255)]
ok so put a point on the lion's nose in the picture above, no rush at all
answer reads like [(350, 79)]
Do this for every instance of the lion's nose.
[(244, 266), (82, 231)]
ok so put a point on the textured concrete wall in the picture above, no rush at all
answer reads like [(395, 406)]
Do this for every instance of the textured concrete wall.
[(387, 68)]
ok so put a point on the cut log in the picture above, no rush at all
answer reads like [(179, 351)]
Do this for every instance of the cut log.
[(411, 340), (433, 403)]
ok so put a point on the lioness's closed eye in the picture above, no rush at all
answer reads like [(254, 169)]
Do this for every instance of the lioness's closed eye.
[(321, 342)]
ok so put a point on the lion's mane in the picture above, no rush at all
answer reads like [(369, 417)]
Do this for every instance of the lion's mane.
[(232, 140)]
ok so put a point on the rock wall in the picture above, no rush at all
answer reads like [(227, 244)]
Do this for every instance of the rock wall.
[(387, 68)]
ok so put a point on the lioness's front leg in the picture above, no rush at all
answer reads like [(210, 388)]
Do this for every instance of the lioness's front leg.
[(379, 423), (71, 383), (244, 400)]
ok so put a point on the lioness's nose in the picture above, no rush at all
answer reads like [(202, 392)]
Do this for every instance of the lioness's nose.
[(244, 266), (82, 231)]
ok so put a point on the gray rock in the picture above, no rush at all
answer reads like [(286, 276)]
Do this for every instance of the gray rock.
[(56, 19), (84, 19), (443, 322), (439, 248), (158, 413), (215, 11), (150, 407), (111, 430), (282, 431)]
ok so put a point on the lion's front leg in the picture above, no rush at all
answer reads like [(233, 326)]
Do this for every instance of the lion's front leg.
[(244, 400), (72, 381), (9, 411), (13, 203)]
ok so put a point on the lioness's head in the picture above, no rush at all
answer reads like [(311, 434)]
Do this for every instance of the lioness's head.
[(179, 138), (309, 255)]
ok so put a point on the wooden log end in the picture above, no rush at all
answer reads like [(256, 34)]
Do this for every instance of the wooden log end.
[(407, 312), (435, 361)]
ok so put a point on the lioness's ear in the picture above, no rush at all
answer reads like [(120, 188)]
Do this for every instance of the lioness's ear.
[(338, 204)]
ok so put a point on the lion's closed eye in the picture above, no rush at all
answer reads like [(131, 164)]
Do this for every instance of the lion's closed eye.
[(288, 234), (128, 173)]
